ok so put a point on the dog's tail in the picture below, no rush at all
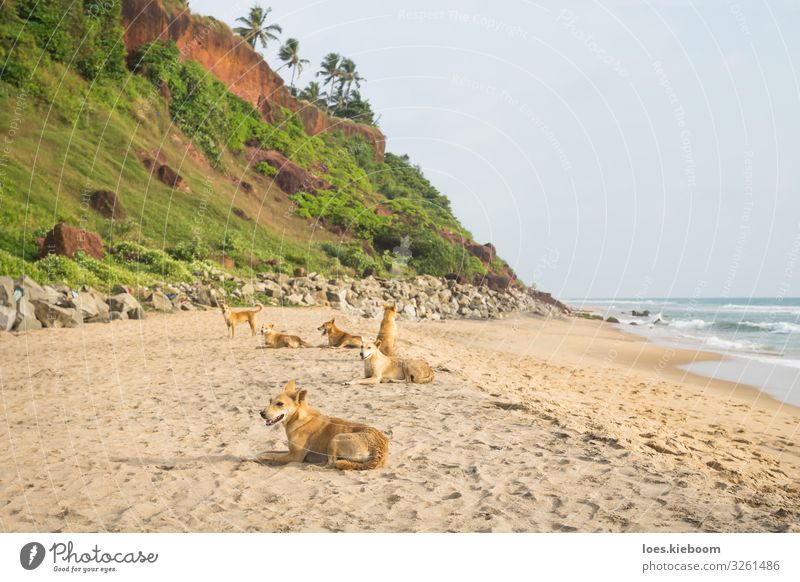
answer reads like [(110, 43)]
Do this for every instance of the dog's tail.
[(304, 343), (260, 307), (418, 372), (379, 446), (426, 377)]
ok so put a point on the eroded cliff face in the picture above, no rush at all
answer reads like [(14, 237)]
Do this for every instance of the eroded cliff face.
[(213, 45)]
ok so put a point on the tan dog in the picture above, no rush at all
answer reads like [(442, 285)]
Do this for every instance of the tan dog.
[(274, 339), (348, 445), (379, 367), (388, 332), (234, 318), (338, 338)]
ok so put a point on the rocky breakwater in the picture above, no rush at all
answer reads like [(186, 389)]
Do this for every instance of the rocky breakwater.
[(26, 305), (422, 297)]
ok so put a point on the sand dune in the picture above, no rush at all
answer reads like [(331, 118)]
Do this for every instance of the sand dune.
[(531, 425)]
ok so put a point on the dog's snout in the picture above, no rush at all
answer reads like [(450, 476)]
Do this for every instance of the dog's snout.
[(263, 414)]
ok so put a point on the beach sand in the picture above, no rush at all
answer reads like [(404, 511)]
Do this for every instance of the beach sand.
[(531, 425)]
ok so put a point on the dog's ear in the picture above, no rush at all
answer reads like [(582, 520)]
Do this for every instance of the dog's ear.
[(289, 386), (301, 396), (333, 319), (378, 343)]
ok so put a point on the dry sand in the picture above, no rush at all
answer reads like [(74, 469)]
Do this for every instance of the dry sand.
[(530, 425)]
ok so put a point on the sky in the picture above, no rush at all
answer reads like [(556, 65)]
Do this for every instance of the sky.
[(612, 148)]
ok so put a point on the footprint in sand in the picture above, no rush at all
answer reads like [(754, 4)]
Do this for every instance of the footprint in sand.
[(593, 507)]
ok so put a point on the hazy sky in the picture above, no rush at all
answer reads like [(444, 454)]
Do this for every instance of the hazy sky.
[(608, 148)]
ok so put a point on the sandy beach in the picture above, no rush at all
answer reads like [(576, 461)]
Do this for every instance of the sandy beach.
[(531, 425)]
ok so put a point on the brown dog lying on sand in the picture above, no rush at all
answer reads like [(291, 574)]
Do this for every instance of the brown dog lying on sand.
[(379, 367), (274, 339), (348, 445), (338, 338), (234, 318), (388, 331)]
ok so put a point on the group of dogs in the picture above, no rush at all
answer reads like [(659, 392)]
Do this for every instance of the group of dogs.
[(346, 444)]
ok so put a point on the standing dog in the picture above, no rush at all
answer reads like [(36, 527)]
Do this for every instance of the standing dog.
[(379, 367), (274, 339), (338, 338), (348, 445), (234, 318), (388, 332)]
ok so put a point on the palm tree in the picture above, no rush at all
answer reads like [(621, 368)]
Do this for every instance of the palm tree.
[(312, 93), (329, 69), (291, 58), (254, 30), (347, 77)]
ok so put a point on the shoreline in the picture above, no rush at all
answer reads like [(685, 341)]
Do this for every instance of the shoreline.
[(686, 358), (720, 367), (532, 424)]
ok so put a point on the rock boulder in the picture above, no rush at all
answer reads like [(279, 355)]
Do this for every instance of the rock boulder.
[(54, 316), (67, 240), (127, 304), (107, 204)]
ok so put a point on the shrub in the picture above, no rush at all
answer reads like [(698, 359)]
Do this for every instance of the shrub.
[(18, 51), (60, 269), (189, 251), (266, 169), (14, 267), (434, 255), (85, 33), (353, 256), (204, 109), (136, 257)]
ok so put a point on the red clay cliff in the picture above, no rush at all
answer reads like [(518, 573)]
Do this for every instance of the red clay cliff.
[(213, 45)]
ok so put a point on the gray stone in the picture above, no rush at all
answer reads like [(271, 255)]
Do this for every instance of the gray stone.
[(7, 291), (55, 296), (336, 296), (294, 299), (32, 290), (55, 316), (101, 303), (8, 317), (86, 305), (127, 304), (320, 297), (26, 316), (160, 302), (117, 315), (206, 296)]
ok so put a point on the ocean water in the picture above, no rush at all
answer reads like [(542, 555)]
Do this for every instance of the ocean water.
[(760, 336)]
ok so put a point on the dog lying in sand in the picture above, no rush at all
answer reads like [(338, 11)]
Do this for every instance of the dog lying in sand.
[(388, 331), (379, 367), (234, 318), (275, 339), (348, 445), (338, 338)]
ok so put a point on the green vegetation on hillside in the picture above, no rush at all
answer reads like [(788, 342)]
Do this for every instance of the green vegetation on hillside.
[(83, 122)]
